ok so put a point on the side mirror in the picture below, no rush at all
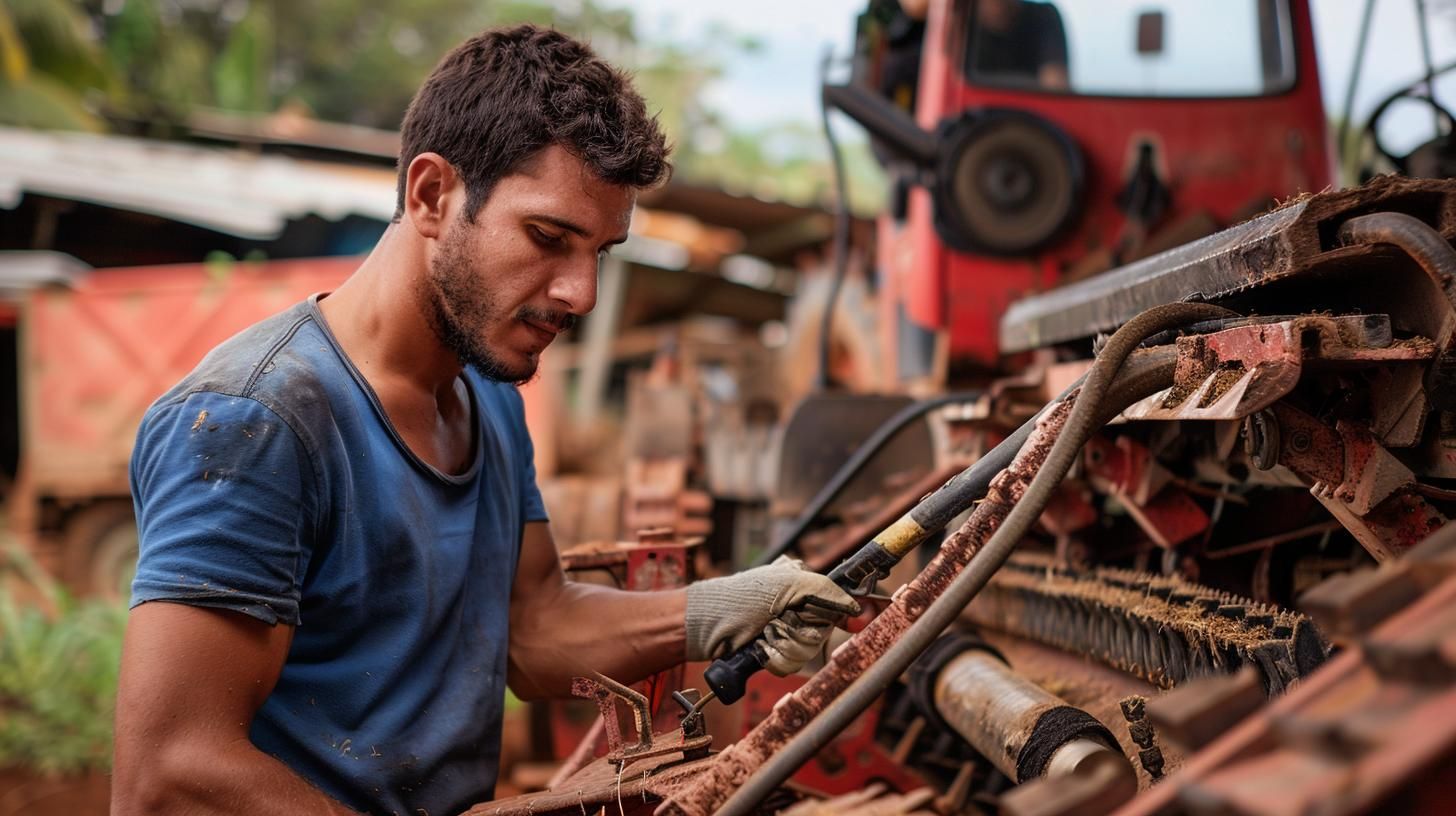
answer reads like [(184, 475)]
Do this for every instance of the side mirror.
[(1150, 33)]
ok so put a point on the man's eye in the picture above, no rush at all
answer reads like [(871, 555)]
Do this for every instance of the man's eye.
[(545, 237)]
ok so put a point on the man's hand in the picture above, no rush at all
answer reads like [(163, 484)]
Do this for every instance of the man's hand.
[(792, 608)]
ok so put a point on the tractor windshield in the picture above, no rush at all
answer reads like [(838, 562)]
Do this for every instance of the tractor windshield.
[(1130, 47)]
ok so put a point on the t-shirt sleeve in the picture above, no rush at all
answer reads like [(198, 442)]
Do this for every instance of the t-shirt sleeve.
[(225, 497)]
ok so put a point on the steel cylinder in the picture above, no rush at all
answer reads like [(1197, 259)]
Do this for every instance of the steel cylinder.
[(1023, 729)]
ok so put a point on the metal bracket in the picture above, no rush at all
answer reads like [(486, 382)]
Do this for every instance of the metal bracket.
[(605, 692)]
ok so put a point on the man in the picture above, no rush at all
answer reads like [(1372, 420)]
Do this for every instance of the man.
[(1019, 42), (338, 511)]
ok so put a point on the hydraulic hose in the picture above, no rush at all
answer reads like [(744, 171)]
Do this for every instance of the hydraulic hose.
[(1093, 406), (855, 464), (1412, 236)]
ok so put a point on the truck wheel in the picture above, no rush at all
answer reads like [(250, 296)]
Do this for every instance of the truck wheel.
[(101, 548)]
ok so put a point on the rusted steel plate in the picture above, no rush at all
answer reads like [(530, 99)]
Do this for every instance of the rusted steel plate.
[(1286, 242)]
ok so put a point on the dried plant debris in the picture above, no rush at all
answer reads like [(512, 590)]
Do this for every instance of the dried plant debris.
[(1163, 629)]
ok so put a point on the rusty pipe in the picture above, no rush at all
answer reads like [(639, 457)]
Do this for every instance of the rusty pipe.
[(1023, 729)]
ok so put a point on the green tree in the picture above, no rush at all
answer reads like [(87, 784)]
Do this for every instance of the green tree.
[(48, 66), (360, 61)]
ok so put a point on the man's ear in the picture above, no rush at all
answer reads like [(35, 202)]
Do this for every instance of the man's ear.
[(432, 189)]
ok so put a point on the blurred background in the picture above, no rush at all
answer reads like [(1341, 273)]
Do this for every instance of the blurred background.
[(174, 170)]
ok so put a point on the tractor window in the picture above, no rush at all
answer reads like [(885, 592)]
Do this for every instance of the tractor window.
[(1130, 47)]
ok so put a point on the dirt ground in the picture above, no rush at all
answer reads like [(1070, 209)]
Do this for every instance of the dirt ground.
[(26, 792)]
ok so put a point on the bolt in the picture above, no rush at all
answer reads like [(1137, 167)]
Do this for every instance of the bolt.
[(1299, 441)]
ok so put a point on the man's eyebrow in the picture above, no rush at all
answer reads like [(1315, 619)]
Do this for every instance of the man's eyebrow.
[(573, 227)]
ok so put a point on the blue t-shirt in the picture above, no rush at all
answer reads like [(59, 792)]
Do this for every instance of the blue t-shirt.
[(270, 482)]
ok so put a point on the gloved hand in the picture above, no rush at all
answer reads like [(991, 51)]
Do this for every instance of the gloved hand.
[(793, 608)]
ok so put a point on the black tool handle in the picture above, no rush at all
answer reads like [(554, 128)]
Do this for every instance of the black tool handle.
[(728, 676)]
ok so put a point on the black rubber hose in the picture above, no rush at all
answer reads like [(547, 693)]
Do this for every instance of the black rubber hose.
[(855, 464), (1412, 236), (1088, 412), (876, 558)]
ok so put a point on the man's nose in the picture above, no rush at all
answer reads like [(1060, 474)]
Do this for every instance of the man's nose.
[(575, 286)]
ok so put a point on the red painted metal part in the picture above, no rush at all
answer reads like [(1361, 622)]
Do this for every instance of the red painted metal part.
[(1365, 487), (851, 762), (1125, 468), (1219, 156)]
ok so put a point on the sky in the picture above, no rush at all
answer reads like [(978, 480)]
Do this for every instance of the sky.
[(780, 82)]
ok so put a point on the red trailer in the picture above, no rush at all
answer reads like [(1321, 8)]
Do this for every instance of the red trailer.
[(92, 357)]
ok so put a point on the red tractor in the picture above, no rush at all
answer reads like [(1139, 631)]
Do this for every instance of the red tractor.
[(1052, 141)]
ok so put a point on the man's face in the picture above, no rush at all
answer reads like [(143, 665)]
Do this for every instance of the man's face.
[(499, 289)]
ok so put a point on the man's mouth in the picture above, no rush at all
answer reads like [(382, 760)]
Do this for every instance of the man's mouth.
[(545, 331), (545, 324)]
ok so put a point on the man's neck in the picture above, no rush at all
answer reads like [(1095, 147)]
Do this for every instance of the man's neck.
[(380, 324), (378, 319)]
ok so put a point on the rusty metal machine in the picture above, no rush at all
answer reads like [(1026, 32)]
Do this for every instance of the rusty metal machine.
[(1180, 544), (1212, 574)]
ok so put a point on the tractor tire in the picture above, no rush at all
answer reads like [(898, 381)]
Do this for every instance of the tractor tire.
[(100, 546)]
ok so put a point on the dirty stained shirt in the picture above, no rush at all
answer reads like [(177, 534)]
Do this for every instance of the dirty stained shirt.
[(270, 482)]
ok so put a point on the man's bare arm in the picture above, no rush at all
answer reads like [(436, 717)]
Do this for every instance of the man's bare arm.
[(191, 681), (561, 629)]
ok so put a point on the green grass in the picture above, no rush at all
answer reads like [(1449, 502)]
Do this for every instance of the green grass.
[(59, 662)]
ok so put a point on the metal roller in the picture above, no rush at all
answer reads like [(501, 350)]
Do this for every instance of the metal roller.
[(1024, 730)]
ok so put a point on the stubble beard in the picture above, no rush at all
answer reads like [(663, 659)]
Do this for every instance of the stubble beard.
[(459, 307)]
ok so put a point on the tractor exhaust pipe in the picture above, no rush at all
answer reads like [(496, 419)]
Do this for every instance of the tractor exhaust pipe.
[(891, 125)]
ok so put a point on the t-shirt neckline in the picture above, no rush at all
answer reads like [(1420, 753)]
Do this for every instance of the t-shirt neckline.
[(477, 424)]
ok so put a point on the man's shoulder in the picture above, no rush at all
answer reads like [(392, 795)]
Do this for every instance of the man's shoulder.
[(281, 362)]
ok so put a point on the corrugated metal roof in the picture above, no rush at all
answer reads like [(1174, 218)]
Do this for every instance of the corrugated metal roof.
[(22, 271), (231, 191)]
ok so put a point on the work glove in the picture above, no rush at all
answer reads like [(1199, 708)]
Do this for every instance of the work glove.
[(792, 608)]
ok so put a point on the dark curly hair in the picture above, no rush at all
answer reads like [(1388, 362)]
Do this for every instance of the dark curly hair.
[(505, 94)]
